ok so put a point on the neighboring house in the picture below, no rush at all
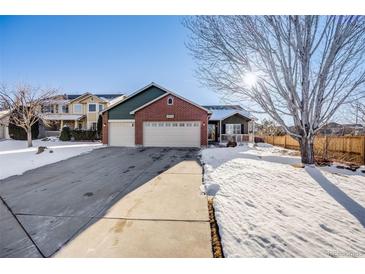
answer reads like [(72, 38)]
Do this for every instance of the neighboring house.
[(155, 116), (336, 129), (4, 123), (76, 111), (228, 122)]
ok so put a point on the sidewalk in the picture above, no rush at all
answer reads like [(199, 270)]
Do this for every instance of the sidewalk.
[(166, 217)]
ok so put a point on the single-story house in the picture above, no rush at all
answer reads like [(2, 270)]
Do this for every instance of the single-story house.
[(228, 122), (155, 116)]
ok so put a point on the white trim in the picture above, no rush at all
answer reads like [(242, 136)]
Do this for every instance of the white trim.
[(172, 100), (157, 86), (169, 93), (148, 103), (234, 113), (121, 120), (130, 96)]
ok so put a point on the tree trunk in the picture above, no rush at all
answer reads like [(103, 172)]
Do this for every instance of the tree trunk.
[(29, 137), (306, 150)]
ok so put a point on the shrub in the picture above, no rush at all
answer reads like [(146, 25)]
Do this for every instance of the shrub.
[(259, 139), (84, 135), (65, 134), (99, 127), (18, 133)]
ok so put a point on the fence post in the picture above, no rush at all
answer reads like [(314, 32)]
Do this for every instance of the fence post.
[(285, 141), (363, 149)]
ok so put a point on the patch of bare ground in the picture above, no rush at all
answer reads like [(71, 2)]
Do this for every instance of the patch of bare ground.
[(216, 239)]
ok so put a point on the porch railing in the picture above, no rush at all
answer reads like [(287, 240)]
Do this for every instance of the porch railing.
[(239, 138)]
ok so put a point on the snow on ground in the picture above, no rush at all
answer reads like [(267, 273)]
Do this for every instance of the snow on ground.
[(265, 207), (16, 158)]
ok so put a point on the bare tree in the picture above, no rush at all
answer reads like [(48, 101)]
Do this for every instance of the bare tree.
[(358, 108), (297, 69), (25, 106), (269, 128)]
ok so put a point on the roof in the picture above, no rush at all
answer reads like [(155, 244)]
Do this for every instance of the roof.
[(4, 113), (150, 102), (107, 96), (221, 112), (223, 107), (53, 117)]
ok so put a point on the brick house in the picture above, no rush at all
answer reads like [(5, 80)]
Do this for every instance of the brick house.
[(155, 116)]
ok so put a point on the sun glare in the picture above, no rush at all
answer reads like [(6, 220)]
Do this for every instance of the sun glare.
[(250, 79)]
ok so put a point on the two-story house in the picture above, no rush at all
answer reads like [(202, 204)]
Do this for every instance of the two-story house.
[(76, 111)]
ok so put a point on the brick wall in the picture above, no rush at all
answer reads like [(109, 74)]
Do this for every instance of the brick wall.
[(105, 127), (182, 111)]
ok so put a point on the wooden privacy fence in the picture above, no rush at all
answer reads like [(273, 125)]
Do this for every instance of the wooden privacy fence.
[(346, 149)]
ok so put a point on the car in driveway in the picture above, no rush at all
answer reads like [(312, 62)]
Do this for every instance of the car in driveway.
[(49, 205)]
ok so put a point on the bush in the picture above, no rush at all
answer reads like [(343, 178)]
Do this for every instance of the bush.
[(84, 135), (18, 133), (65, 134), (259, 139), (99, 127)]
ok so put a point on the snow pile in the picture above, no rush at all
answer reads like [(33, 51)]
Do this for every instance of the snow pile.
[(16, 158), (265, 207)]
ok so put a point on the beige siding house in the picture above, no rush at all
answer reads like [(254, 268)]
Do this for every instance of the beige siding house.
[(76, 111)]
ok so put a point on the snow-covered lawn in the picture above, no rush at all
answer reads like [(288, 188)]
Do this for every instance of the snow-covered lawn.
[(16, 158), (266, 207)]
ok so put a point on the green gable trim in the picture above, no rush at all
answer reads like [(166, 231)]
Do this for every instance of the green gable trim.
[(122, 111)]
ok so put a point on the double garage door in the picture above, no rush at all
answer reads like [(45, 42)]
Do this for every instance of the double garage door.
[(156, 134), (171, 134)]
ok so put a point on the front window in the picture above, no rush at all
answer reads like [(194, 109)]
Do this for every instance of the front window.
[(101, 107), (92, 107), (93, 126), (64, 108), (170, 100), (77, 108), (233, 128)]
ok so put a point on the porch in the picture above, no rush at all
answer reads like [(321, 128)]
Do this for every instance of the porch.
[(232, 128)]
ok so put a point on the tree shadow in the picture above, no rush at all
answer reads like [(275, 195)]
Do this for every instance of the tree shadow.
[(353, 207), (57, 202)]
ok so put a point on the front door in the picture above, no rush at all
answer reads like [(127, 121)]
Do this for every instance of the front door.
[(211, 132)]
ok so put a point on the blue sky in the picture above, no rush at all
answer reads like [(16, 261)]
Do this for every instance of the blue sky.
[(101, 54)]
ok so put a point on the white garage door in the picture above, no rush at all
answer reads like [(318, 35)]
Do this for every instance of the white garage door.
[(2, 132), (121, 133), (171, 134)]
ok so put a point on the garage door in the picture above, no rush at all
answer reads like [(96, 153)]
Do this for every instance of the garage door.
[(121, 133), (171, 134), (2, 132)]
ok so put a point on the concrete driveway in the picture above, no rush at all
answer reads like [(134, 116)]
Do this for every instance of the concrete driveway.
[(112, 202)]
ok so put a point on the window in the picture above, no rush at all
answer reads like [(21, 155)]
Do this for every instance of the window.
[(154, 124), (77, 108), (92, 107), (196, 124), (46, 108), (233, 128), (170, 100), (64, 108), (101, 107), (160, 124), (174, 124), (189, 124), (93, 126), (181, 124), (168, 124)]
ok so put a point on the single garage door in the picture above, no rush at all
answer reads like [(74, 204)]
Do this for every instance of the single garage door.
[(121, 133), (171, 134)]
